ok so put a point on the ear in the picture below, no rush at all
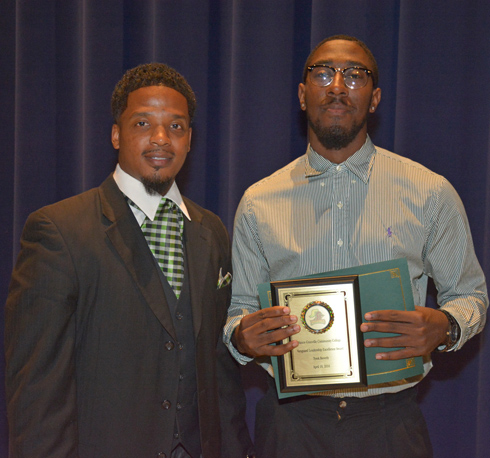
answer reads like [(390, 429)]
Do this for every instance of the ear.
[(375, 99), (301, 96), (115, 136), (190, 137)]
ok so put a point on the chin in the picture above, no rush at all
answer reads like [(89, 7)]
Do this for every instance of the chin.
[(156, 184)]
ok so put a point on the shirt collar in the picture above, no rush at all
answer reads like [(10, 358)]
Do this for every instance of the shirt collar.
[(134, 189), (360, 163)]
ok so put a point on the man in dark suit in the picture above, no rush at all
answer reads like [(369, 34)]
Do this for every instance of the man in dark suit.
[(109, 352)]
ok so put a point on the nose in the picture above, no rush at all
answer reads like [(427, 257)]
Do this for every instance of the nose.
[(337, 86), (159, 136)]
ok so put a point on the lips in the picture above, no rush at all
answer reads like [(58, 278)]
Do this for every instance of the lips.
[(337, 107), (158, 158)]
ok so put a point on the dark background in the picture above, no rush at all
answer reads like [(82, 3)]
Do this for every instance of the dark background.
[(60, 60)]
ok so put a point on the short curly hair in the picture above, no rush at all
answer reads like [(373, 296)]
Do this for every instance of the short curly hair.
[(153, 74), (374, 65)]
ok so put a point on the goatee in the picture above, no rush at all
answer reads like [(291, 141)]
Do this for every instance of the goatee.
[(336, 137), (156, 185)]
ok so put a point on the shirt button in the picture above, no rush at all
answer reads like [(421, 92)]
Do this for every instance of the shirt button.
[(181, 346), (161, 455), (181, 377), (340, 205), (169, 345), (176, 435), (178, 406), (166, 405), (340, 242), (179, 316), (342, 404), (322, 184), (339, 168)]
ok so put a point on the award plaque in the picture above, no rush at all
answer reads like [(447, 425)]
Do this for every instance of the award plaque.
[(330, 354)]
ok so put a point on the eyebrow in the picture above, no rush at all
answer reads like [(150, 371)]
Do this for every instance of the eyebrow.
[(149, 113), (349, 63)]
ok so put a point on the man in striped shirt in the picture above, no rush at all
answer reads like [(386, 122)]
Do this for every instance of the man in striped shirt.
[(347, 203)]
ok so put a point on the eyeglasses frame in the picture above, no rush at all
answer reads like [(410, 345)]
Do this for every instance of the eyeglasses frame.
[(341, 70)]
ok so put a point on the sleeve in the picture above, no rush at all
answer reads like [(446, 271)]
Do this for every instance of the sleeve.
[(39, 344), (450, 259), (250, 268)]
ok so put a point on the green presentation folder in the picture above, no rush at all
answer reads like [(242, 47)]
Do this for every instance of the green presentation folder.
[(382, 286)]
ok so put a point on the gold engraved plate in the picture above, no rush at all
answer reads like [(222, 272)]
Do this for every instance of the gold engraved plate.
[(330, 351)]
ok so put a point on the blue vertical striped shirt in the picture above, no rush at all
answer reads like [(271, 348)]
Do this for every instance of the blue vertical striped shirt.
[(314, 216)]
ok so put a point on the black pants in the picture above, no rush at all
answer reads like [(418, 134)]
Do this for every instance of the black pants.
[(385, 426)]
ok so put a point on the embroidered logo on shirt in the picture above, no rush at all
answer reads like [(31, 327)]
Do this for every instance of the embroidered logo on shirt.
[(388, 231)]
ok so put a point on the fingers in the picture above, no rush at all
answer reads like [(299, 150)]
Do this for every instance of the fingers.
[(258, 331), (381, 326), (279, 350), (391, 316), (418, 332), (397, 354), (406, 346), (269, 313), (253, 343)]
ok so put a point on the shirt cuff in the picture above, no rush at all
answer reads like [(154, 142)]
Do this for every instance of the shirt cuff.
[(229, 329)]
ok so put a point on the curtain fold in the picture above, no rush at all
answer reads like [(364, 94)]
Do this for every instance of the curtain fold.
[(60, 62)]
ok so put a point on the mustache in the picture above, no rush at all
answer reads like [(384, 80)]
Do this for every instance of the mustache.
[(337, 100), (158, 150)]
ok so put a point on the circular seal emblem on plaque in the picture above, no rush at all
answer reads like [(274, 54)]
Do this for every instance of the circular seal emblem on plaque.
[(317, 317)]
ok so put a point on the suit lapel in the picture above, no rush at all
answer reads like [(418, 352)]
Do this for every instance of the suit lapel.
[(130, 243), (197, 239)]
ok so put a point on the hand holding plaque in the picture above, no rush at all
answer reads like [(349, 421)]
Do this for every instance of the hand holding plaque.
[(330, 353), (382, 286), (257, 331)]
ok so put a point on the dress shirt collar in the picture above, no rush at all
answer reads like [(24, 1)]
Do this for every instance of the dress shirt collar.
[(133, 189), (360, 163)]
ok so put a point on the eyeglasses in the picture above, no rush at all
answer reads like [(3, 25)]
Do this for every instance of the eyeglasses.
[(354, 77)]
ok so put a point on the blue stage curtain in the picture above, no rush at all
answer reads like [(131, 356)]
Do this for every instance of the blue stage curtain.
[(59, 62)]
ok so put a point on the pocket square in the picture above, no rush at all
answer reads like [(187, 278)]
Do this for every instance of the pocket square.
[(223, 281)]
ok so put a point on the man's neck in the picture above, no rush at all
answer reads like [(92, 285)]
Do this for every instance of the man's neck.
[(337, 156)]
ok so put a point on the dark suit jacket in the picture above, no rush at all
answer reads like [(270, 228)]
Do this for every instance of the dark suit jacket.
[(90, 343)]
